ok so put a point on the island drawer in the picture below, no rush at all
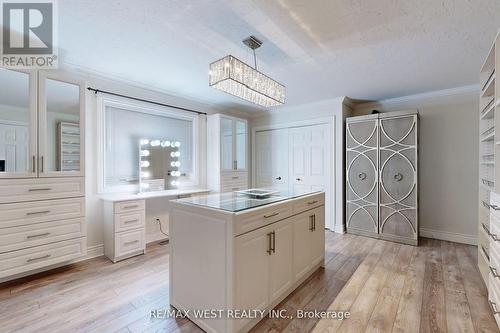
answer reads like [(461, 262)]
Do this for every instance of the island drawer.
[(308, 202), (256, 218), (26, 213)]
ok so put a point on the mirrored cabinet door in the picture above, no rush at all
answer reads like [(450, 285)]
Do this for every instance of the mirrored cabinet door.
[(226, 128), (18, 119), (240, 145), (61, 122)]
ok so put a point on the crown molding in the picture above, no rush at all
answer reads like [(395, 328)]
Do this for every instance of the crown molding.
[(420, 97)]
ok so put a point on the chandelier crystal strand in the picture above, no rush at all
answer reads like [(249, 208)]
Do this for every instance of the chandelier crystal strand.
[(235, 77)]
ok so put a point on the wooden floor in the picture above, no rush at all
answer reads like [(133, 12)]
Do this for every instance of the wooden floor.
[(386, 287)]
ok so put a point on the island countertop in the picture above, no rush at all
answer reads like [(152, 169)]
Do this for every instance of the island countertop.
[(236, 202)]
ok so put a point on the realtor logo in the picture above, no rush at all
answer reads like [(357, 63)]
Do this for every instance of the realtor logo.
[(28, 35)]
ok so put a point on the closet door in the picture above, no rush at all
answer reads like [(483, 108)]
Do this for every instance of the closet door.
[(362, 175), (61, 126), (310, 161), (271, 159), (398, 178), (18, 124)]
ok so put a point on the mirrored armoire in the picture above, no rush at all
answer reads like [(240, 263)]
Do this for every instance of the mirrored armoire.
[(382, 176)]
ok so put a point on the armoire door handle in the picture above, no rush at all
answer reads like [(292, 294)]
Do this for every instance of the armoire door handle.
[(398, 177), (362, 176)]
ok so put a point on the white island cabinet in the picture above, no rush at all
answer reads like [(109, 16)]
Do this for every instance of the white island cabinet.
[(232, 255)]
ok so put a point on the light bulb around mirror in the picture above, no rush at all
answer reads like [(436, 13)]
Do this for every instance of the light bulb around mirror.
[(172, 154), (177, 164), (177, 144), (144, 153), (165, 144), (155, 143), (145, 174), (145, 164), (172, 164), (144, 142), (174, 183), (177, 153)]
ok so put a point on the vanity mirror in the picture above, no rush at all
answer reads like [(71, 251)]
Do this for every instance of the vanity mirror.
[(159, 163)]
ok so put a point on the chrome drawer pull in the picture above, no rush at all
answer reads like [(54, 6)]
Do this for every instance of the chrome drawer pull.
[(131, 206), (269, 244), (39, 258), (131, 221), (132, 242), (494, 272), (235, 177), (272, 215), (493, 307), (312, 202), (39, 189), (495, 207), (494, 237), (36, 213), (39, 235)]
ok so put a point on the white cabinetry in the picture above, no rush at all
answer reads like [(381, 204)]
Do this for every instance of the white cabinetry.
[(227, 153), (247, 260), (42, 205)]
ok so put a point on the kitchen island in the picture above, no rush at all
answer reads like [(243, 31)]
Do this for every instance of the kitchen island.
[(233, 258)]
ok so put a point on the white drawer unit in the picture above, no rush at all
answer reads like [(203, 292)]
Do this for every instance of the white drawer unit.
[(255, 218), (27, 213), (16, 262), (124, 229), (22, 190)]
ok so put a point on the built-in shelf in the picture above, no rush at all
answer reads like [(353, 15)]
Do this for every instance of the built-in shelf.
[(488, 111), (487, 163), (489, 88)]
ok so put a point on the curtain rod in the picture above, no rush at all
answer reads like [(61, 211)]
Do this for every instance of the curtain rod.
[(143, 100)]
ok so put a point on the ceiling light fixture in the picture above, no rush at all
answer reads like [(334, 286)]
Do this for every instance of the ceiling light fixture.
[(235, 77)]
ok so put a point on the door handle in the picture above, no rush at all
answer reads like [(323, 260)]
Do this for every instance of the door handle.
[(311, 223), (362, 176), (314, 222), (41, 163), (269, 244), (298, 179), (278, 178), (494, 272), (274, 241), (398, 177), (493, 307), (33, 166)]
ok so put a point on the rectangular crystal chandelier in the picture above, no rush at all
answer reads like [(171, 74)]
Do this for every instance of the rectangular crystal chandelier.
[(235, 77)]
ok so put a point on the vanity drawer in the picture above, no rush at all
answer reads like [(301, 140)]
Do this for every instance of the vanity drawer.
[(308, 202), (232, 187), (494, 296), (129, 206), (234, 177), (129, 221), (17, 238), (16, 262), (259, 217), (21, 190), (26, 213), (129, 242)]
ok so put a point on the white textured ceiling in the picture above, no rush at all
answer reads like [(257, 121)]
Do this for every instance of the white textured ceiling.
[(320, 49)]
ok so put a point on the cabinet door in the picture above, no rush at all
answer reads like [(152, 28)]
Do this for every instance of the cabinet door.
[(252, 269), (302, 229), (271, 159), (318, 236), (398, 178), (18, 129), (362, 177), (240, 145), (227, 139), (281, 275), (61, 126)]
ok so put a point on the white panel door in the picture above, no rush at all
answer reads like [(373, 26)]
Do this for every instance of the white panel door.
[(271, 155), (310, 154), (14, 148)]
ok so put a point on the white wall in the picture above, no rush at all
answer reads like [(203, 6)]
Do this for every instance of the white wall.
[(448, 165), (337, 108), (155, 208)]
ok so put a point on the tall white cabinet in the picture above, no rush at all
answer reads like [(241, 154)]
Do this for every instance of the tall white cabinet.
[(42, 204), (489, 197), (227, 153)]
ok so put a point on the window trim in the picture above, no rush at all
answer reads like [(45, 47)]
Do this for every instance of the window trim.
[(104, 101)]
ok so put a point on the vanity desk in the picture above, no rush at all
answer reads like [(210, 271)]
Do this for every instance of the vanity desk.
[(125, 220)]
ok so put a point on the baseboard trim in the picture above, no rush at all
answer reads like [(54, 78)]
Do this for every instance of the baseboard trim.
[(448, 236), (93, 252)]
